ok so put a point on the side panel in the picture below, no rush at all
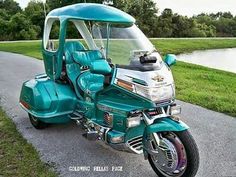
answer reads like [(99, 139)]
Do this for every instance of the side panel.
[(119, 102), (49, 101)]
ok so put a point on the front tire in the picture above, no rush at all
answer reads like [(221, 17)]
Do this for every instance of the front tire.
[(187, 154), (37, 123)]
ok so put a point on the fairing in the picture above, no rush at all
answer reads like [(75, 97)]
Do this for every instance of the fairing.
[(157, 85)]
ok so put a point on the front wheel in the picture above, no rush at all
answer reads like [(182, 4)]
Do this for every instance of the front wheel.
[(177, 155)]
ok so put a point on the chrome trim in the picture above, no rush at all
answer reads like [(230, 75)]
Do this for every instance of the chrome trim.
[(102, 131), (121, 147), (136, 144), (150, 120)]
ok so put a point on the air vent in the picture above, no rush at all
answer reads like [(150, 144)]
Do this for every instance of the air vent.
[(136, 144)]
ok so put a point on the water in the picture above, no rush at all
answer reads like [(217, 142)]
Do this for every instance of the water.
[(223, 59)]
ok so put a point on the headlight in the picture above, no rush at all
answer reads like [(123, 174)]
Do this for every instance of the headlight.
[(175, 109), (133, 121), (156, 93)]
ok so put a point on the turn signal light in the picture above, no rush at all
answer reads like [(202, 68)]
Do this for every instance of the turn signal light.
[(175, 110), (125, 85), (118, 139)]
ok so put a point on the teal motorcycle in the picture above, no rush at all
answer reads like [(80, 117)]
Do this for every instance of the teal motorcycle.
[(113, 83)]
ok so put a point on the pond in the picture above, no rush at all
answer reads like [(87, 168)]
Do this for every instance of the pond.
[(223, 59)]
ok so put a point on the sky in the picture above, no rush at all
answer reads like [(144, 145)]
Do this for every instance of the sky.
[(186, 7)]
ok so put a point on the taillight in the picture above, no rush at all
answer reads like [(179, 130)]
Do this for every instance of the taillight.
[(26, 105)]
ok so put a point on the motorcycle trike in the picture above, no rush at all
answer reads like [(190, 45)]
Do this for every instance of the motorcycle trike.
[(114, 84)]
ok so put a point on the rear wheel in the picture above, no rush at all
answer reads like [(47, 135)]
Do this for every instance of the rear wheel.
[(37, 123), (177, 155)]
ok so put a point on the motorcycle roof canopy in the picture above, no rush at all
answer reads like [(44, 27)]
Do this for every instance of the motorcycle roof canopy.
[(92, 12)]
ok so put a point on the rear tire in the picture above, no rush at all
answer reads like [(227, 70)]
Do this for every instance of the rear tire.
[(192, 156), (37, 123)]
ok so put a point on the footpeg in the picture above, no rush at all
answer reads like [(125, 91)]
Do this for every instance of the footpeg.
[(91, 136)]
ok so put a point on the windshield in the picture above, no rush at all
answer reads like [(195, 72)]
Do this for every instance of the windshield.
[(121, 43)]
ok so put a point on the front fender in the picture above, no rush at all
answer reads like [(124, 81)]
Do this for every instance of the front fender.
[(160, 125), (165, 124)]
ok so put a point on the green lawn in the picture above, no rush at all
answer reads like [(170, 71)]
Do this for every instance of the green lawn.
[(164, 46), (210, 88), (32, 49), (178, 46), (17, 157)]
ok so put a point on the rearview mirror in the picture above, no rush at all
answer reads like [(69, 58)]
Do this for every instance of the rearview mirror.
[(170, 59)]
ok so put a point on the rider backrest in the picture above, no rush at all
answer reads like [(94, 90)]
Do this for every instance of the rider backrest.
[(72, 68), (85, 58), (70, 47)]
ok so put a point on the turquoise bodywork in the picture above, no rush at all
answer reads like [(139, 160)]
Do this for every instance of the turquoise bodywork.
[(165, 124), (93, 12), (86, 89), (49, 101), (100, 67)]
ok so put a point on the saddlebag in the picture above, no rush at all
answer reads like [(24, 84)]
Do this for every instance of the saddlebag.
[(47, 100)]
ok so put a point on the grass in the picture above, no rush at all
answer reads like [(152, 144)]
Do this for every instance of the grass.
[(178, 46), (210, 88), (164, 46), (17, 157), (32, 49)]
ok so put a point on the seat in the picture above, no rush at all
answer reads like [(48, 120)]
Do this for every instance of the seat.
[(70, 48), (77, 56), (72, 68), (90, 83), (85, 58)]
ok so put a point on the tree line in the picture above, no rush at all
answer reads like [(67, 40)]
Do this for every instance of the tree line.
[(26, 24)]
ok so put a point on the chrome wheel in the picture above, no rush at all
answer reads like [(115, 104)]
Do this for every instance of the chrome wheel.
[(171, 159)]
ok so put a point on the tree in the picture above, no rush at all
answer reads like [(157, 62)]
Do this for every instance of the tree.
[(10, 6), (182, 26), (4, 35), (144, 11), (21, 28), (35, 13), (164, 25), (53, 4), (4, 14), (203, 30), (16, 23), (227, 15)]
